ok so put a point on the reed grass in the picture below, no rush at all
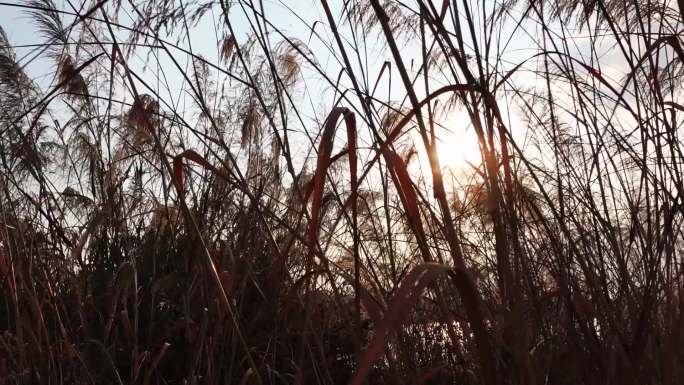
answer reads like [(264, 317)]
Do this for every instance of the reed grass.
[(263, 216)]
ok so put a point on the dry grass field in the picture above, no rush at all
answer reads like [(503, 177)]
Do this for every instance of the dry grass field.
[(341, 192)]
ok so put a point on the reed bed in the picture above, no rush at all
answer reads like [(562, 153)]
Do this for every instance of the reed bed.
[(277, 209)]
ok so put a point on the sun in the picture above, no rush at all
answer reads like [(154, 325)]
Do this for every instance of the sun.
[(457, 149)]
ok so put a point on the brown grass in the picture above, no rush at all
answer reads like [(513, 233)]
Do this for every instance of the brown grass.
[(258, 230)]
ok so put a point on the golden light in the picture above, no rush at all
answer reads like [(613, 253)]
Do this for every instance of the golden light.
[(457, 149)]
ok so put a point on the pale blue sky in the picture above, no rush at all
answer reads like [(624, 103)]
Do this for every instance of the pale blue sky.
[(286, 16)]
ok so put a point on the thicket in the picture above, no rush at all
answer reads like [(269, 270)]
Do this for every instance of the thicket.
[(256, 218)]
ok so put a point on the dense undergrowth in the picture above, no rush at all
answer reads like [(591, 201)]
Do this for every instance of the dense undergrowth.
[(277, 213)]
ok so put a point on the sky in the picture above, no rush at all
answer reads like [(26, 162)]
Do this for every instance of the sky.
[(295, 18), (21, 31)]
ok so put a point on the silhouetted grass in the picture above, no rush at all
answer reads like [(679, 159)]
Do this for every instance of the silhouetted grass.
[(170, 218)]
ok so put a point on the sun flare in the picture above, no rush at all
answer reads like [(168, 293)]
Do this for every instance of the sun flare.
[(456, 150)]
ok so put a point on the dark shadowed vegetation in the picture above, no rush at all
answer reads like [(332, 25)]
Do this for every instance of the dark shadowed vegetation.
[(243, 192)]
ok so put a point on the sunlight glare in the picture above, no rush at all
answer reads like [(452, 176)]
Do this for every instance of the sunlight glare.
[(456, 150)]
